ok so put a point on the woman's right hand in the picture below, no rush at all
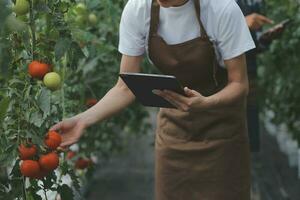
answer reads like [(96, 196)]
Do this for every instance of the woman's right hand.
[(70, 129)]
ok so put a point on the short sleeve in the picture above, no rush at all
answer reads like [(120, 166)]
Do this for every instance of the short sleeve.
[(233, 35), (132, 34)]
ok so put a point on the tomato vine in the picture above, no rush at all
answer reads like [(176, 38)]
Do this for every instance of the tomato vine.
[(84, 54)]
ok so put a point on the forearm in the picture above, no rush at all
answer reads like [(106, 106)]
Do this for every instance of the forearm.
[(233, 93), (238, 86), (115, 100)]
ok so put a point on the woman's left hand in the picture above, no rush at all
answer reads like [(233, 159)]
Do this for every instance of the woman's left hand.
[(192, 102)]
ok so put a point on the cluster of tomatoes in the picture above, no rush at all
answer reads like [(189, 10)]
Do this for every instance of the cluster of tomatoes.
[(36, 69), (38, 166), (42, 71), (83, 16)]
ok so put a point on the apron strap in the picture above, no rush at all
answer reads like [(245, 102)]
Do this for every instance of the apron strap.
[(198, 12), (154, 21)]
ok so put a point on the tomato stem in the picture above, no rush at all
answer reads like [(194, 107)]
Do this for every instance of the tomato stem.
[(45, 191), (24, 188), (63, 73), (32, 28)]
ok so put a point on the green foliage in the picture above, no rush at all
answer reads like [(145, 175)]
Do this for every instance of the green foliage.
[(85, 54), (280, 67)]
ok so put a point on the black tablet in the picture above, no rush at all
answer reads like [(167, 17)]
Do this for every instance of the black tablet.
[(266, 36), (142, 85)]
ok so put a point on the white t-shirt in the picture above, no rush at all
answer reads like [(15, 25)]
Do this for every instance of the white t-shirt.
[(223, 20)]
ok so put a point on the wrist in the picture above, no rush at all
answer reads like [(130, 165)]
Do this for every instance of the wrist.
[(83, 120), (211, 102)]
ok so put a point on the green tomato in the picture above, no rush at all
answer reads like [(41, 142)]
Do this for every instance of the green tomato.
[(21, 7), (93, 20), (80, 20), (52, 81), (14, 24), (81, 8)]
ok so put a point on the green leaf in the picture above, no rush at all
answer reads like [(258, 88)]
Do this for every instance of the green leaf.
[(44, 101), (34, 196), (64, 167), (90, 66), (36, 118), (75, 54), (75, 180), (65, 192), (49, 181), (36, 139), (15, 172), (4, 103), (61, 47)]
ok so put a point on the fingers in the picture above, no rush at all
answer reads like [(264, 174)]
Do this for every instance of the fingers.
[(191, 93), (68, 143), (256, 21), (57, 127), (68, 139), (264, 20), (175, 99), (71, 137), (177, 104)]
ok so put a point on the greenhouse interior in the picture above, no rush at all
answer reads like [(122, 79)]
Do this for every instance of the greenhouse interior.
[(149, 100)]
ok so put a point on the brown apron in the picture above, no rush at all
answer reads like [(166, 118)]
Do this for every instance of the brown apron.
[(203, 155)]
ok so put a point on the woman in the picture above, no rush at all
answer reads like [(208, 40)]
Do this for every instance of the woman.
[(202, 150)]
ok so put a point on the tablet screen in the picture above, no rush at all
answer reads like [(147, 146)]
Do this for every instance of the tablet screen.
[(142, 86)]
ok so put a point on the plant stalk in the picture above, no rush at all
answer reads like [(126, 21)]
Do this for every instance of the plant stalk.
[(32, 28), (24, 188)]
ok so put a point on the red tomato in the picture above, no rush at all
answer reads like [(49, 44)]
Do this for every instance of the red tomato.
[(70, 154), (52, 140), (27, 152), (49, 162), (38, 70), (30, 168), (82, 163), (91, 102)]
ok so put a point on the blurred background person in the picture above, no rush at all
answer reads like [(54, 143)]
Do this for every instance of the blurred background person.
[(255, 21)]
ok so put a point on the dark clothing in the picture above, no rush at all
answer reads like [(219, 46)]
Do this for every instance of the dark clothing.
[(248, 7)]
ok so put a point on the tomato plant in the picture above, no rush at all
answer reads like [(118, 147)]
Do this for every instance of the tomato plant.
[(43, 37)]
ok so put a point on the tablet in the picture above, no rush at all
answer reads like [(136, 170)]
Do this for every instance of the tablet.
[(266, 34), (142, 85)]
